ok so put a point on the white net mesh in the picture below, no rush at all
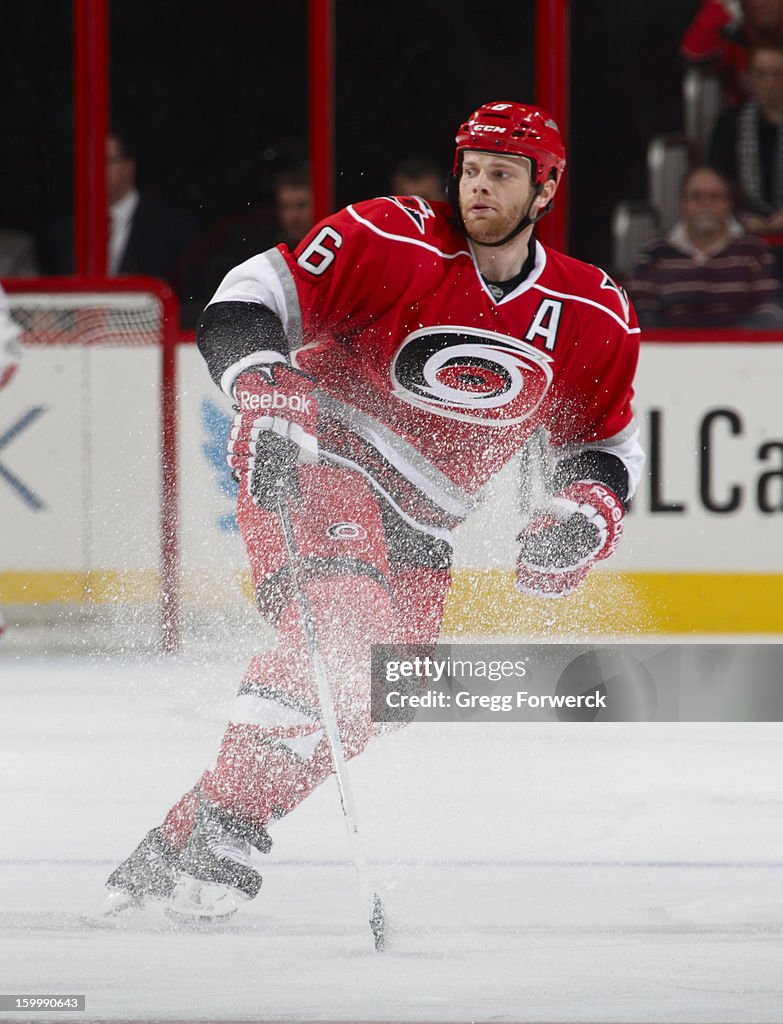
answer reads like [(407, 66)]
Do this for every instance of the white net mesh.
[(84, 318), (81, 497)]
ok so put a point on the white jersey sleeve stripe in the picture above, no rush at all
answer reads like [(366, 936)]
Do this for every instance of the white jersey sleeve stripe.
[(293, 323), (265, 279), (589, 302), (404, 238)]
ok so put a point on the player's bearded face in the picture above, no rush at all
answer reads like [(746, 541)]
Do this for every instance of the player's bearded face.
[(494, 194)]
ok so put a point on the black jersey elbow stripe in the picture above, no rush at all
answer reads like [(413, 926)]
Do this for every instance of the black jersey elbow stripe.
[(603, 467), (229, 331)]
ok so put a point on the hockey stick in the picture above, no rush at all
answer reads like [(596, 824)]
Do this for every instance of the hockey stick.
[(535, 474), (377, 918)]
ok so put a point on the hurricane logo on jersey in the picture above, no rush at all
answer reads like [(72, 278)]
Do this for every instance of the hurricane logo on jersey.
[(346, 531), (468, 374)]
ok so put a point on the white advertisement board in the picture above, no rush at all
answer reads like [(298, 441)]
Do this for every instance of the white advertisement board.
[(80, 487)]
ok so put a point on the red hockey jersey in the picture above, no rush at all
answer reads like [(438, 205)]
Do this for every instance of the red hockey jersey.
[(429, 382)]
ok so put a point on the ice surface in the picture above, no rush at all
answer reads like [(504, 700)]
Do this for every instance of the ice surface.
[(532, 872)]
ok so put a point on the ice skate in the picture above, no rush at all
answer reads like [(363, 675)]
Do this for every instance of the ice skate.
[(218, 867), (196, 902), (137, 890), (119, 909)]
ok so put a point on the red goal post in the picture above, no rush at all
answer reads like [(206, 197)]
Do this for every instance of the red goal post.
[(82, 319)]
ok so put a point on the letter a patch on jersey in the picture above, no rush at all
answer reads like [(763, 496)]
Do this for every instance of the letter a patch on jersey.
[(545, 323)]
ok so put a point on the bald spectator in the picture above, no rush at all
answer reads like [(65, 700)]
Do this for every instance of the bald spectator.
[(417, 176), (706, 272)]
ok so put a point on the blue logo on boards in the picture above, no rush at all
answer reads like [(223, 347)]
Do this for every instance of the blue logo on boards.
[(25, 494), (217, 426)]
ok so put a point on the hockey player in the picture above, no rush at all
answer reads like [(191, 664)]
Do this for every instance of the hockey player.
[(9, 360), (382, 373)]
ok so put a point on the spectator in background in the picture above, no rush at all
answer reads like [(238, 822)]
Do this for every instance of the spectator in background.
[(235, 239), (418, 176), (721, 34), (17, 254), (747, 143), (146, 235), (293, 205), (706, 272)]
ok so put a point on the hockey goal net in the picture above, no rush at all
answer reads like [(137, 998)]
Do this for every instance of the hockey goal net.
[(88, 452)]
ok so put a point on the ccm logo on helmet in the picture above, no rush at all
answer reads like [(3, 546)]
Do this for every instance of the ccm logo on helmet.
[(488, 128), (464, 373)]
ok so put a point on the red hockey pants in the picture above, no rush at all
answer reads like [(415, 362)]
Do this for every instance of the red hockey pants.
[(275, 752)]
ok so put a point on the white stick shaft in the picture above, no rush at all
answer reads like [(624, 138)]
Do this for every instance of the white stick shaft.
[(332, 731), (536, 482)]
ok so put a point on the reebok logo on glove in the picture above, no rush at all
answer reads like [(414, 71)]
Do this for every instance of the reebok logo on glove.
[(275, 429), (251, 401), (577, 528), (608, 503)]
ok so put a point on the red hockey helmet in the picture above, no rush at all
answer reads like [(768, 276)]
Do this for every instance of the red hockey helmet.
[(518, 130)]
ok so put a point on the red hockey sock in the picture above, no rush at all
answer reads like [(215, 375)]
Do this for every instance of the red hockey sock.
[(275, 752)]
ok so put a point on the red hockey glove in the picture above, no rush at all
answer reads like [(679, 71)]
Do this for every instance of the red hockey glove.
[(579, 527), (274, 430)]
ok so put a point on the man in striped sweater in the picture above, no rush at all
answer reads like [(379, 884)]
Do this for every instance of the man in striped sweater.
[(707, 272)]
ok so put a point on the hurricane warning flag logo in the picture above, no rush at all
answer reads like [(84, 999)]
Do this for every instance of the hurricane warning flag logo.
[(468, 374)]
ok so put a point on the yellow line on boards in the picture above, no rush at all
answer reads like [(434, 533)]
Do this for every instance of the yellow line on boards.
[(485, 601), (481, 601)]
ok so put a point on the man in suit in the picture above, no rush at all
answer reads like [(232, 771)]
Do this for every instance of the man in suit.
[(146, 235)]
